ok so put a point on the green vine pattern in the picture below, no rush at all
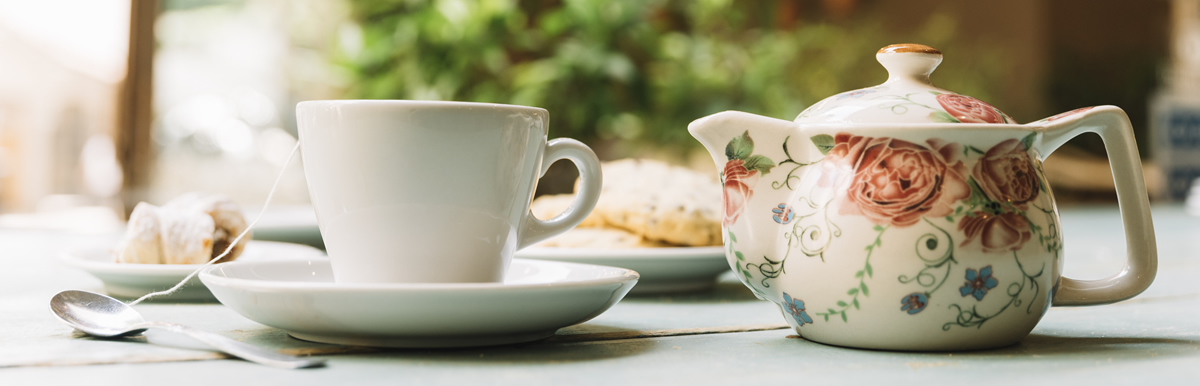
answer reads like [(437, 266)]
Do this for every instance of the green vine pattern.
[(812, 239), (770, 270), (862, 275), (1050, 239), (742, 273), (902, 107), (927, 277), (791, 175), (973, 318), (802, 237), (937, 114)]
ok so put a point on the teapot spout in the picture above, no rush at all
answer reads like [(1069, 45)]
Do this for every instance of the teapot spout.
[(715, 131)]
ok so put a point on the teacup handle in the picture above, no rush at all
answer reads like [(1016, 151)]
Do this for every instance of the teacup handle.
[(585, 200), (1141, 265)]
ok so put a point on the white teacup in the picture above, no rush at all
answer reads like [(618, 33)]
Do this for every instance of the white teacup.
[(432, 192)]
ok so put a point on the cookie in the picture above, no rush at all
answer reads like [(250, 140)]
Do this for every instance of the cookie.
[(142, 243), (549, 206), (661, 202), (191, 229), (227, 219), (187, 237)]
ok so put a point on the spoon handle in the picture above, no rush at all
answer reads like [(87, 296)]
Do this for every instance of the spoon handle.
[(238, 349)]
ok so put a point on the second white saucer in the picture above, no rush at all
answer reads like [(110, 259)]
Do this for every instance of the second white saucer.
[(537, 298), (135, 280), (663, 270)]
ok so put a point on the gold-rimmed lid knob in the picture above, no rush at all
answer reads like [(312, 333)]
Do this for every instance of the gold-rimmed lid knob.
[(909, 62), (908, 47)]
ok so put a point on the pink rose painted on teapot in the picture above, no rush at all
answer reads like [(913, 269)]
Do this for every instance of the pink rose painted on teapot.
[(1006, 174), (736, 182), (897, 182), (991, 233), (969, 110)]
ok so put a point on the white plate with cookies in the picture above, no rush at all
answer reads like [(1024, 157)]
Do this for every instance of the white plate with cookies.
[(662, 270), (162, 245), (660, 220), (131, 280)]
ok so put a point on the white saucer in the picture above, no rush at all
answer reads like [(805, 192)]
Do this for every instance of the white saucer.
[(537, 298), (135, 280), (663, 270)]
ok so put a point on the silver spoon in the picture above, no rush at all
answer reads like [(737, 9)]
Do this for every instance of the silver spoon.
[(102, 316)]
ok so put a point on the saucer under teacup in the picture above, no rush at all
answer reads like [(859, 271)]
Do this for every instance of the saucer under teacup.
[(301, 297)]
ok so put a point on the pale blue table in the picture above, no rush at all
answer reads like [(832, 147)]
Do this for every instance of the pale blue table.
[(722, 337)]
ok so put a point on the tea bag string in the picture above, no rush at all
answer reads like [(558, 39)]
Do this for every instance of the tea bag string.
[(233, 244)]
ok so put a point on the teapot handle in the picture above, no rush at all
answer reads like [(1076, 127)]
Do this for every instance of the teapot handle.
[(1141, 265), (585, 199)]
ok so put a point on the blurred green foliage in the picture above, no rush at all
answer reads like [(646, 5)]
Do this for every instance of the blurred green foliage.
[(637, 72)]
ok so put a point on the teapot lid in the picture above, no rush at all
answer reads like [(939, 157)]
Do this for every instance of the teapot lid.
[(906, 97)]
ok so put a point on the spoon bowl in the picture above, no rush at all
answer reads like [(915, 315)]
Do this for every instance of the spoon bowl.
[(96, 314), (103, 316)]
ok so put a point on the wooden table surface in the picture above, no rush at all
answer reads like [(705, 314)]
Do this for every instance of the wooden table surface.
[(725, 336)]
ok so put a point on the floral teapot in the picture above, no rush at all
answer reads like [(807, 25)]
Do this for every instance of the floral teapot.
[(907, 217)]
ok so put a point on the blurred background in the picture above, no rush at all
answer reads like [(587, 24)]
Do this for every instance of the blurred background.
[(104, 103)]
